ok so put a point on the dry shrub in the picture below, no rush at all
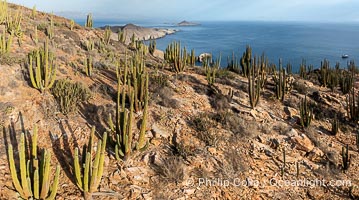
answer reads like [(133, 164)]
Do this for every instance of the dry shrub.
[(69, 95), (300, 87), (233, 166), (158, 81), (220, 102), (170, 170), (202, 124), (242, 128), (164, 97)]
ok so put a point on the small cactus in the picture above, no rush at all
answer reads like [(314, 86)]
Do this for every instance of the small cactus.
[(253, 87), (72, 25), (324, 73), (13, 23), (88, 64), (34, 12), (246, 61), (176, 56), (298, 168), (335, 126), (133, 41), (353, 106), (345, 158), (121, 36), (233, 64), (152, 46), (333, 79), (346, 82), (5, 43), (211, 68), (35, 37), (89, 21), (3, 11), (88, 175), (50, 29), (192, 58), (107, 35), (90, 45), (45, 70), (303, 70), (306, 114), (34, 182), (122, 128), (284, 163), (289, 68), (280, 80)]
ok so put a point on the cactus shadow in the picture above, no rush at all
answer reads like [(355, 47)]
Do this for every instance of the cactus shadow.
[(325, 131), (10, 138), (105, 90), (109, 75), (64, 155), (10, 135), (90, 113), (26, 74)]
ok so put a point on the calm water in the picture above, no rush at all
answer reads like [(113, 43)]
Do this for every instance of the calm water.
[(290, 41)]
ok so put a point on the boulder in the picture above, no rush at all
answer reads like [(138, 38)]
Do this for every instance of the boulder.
[(159, 131), (203, 56), (303, 143), (315, 155), (291, 133), (291, 112)]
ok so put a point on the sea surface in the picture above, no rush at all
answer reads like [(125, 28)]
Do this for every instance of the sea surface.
[(291, 41)]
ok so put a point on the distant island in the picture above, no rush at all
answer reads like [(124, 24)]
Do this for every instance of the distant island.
[(141, 33), (186, 23)]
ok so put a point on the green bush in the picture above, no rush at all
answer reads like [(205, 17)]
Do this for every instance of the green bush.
[(69, 95)]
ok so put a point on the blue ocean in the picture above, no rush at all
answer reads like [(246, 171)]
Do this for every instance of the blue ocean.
[(291, 41)]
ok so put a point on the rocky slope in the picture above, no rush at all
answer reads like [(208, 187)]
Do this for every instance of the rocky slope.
[(203, 144)]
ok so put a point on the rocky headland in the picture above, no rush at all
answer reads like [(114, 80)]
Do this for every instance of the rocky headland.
[(141, 33)]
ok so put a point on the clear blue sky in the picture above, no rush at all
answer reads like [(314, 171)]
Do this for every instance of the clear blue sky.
[(202, 10)]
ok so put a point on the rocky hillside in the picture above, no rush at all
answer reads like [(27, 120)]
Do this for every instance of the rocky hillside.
[(205, 141)]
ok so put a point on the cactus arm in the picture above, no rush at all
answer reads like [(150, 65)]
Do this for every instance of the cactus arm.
[(34, 143), (77, 169), (102, 157), (53, 78), (36, 184), (110, 123), (46, 65), (14, 177), (54, 184), (92, 135), (141, 139), (90, 147), (31, 72), (38, 69), (29, 184), (93, 181), (86, 172), (117, 152), (23, 170), (129, 141), (45, 176)]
